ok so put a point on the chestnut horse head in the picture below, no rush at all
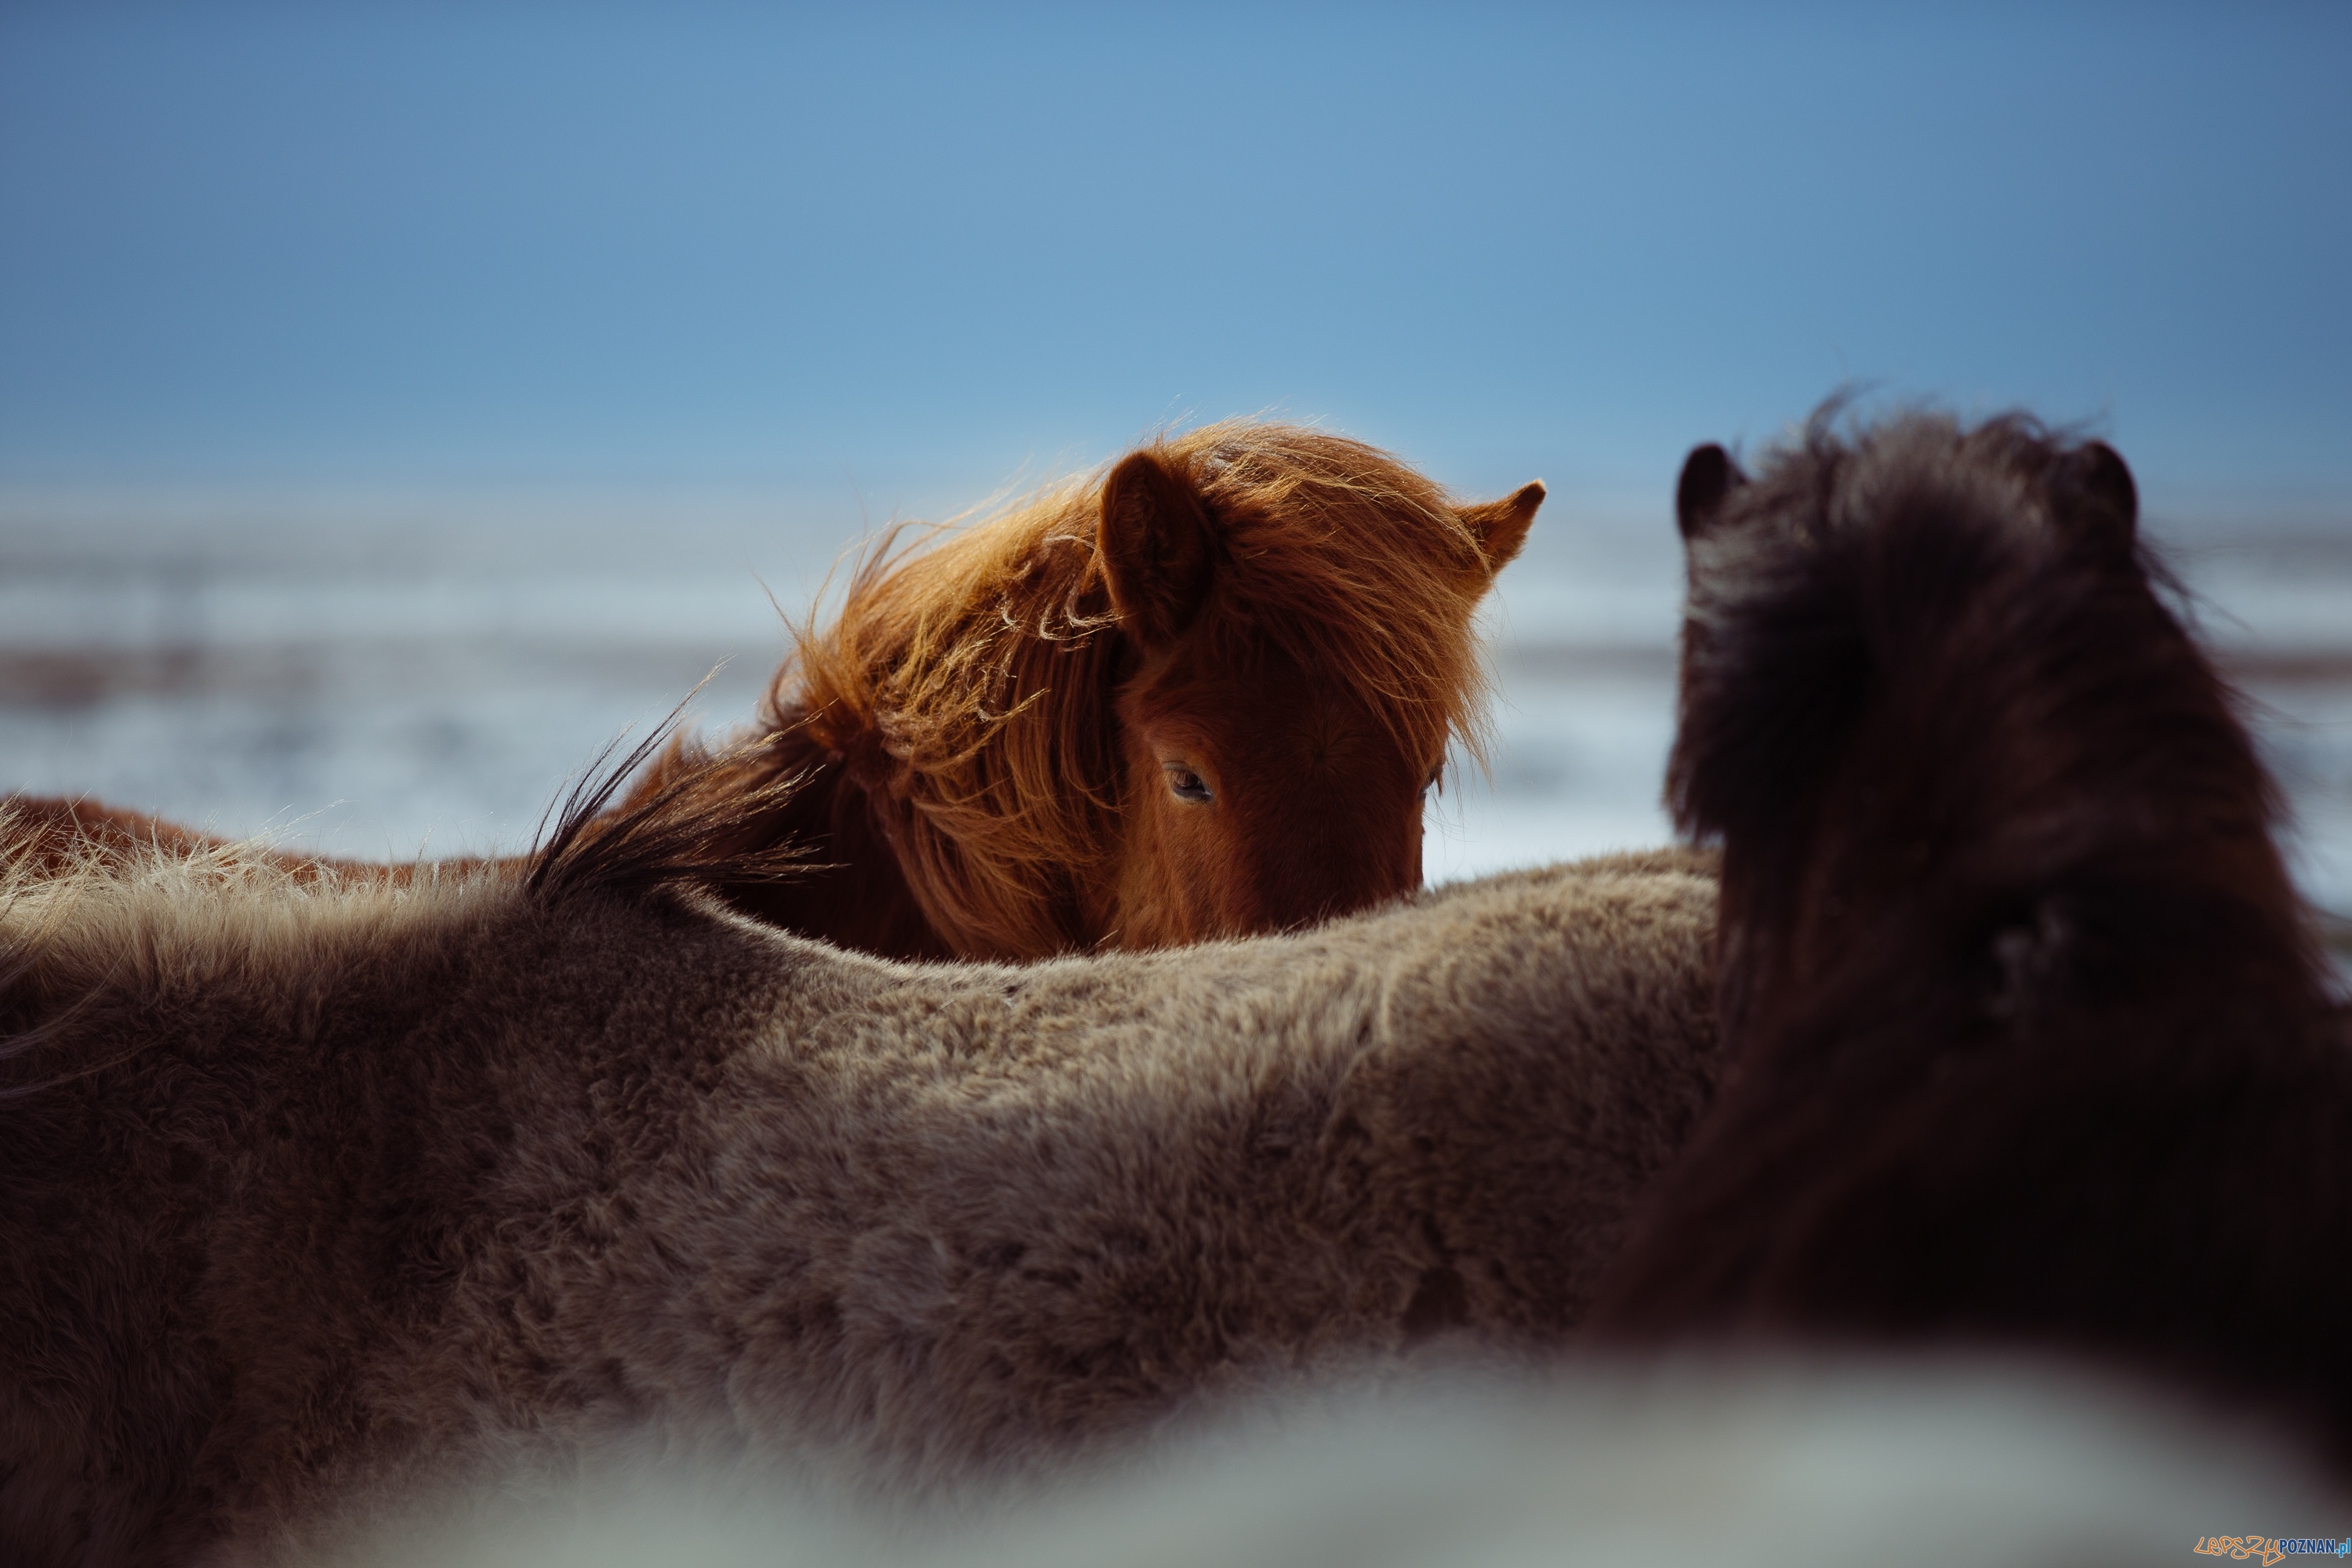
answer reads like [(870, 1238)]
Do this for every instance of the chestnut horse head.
[(1200, 695), (2028, 1039)]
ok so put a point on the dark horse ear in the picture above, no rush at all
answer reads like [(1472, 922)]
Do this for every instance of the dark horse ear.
[(2096, 494), (1500, 527), (1156, 541), (1708, 477)]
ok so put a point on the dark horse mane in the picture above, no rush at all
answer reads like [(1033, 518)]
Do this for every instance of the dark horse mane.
[(2029, 1034)]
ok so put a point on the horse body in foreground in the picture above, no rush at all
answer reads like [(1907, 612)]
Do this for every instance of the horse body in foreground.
[(2027, 1038), (311, 1192)]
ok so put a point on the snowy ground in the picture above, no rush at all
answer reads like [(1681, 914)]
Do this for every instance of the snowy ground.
[(383, 677)]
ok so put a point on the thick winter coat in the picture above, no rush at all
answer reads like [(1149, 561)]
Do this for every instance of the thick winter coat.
[(311, 1190)]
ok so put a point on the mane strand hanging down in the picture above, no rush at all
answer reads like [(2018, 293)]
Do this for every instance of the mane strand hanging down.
[(676, 833), (2028, 1037)]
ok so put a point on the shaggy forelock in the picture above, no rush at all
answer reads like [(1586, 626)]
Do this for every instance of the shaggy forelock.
[(1352, 563)]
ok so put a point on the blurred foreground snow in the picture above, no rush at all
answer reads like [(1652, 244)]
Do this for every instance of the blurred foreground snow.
[(1796, 1463)]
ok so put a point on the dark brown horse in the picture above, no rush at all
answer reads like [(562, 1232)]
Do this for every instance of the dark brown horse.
[(1200, 695), (2029, 1038)]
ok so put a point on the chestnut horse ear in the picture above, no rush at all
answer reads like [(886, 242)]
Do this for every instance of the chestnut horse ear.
[(2097, 492), (1500, 527), (1709, 476), (1156, 541)]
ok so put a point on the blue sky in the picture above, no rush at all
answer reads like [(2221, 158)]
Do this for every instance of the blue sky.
[(444, 244)]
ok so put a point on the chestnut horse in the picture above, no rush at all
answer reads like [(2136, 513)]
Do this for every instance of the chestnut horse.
[(1202, 695), (2029, 1041)]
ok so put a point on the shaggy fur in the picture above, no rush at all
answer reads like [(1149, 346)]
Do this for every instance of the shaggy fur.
[(2029, 1036), (1202, 694), (310, 1187), (52, 834)]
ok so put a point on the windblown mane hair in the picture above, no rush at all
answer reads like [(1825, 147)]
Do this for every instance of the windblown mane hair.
[(967, 688), (679, 832), (2029, 1035)]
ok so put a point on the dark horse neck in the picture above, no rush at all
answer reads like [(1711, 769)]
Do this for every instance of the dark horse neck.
[(854, 895), (2029, 1044)]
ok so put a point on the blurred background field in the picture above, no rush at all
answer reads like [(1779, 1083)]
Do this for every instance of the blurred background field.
[(397, 401)]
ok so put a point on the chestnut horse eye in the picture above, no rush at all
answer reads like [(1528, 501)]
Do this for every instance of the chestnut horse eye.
[(1186, 785)]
